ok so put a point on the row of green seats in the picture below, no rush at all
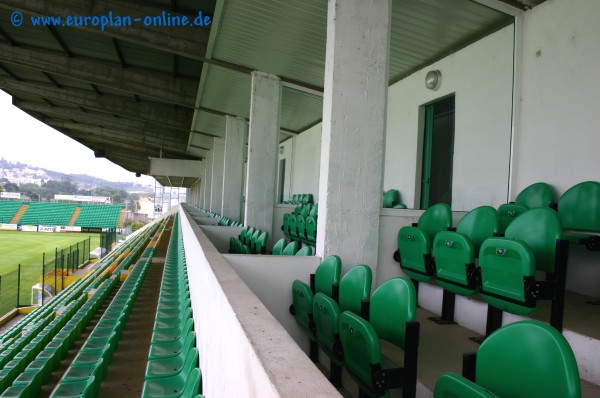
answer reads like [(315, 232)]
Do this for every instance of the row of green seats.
[(301, 224), (172, 369), (28, 371), (300, 198), (284, 248), (8, 210), (473, 259), (68, 299), (90, 366), (250, 241), (342, 318)]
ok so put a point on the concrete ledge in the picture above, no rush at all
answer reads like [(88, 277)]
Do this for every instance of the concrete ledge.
[(244, 351)]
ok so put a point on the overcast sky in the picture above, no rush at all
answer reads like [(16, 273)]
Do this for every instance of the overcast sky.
[(27, 140)]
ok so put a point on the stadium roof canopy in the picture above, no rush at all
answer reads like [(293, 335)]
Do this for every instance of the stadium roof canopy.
[(131, 93)]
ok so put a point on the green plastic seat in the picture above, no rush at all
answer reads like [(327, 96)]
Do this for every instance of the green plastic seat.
[(325, 280), (415, 242), (452, 385), (72, 389), (261, 243), (293, 225), (253, 240), (455, 252), (393, 314), (527, 359), (391, 198), (535, 195), (505, 266), (169, 349), (165, 367), (311, 230), (301, 228), (291, 249), (305, 251), (180, 385), (579, 209), (286, 225), (354, 294), (19, 391)]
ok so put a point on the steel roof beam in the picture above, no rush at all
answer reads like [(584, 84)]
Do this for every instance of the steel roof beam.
[(180, 119), (102, 119), (160, 86)]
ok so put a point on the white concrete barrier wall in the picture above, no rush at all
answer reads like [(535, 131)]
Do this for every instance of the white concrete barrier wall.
[(244, 351)]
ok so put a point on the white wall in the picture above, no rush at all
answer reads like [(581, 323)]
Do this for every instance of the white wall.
[(305, 163), (557, 137), (288, 155), (480, 76), (244, 351)]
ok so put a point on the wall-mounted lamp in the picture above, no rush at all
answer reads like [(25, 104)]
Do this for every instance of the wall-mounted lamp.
[(138, 174), (100, 153), (433, 79)]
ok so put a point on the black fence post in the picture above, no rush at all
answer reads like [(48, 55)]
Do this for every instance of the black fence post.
[(43, 274), (89, 248), (18, 285)]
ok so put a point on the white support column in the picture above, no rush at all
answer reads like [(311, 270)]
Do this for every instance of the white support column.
[(354, 121), (207, 180), (265, 105), (216, 187), (235, 136)]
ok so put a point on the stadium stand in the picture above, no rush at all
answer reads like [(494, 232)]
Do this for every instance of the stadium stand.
[(32, 348), (8, 210), (42, 213), (99, 216)]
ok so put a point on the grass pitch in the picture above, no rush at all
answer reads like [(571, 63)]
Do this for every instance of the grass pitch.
[(26, 248)]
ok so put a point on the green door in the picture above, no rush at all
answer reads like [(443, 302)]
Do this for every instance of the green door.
[(438, 153)]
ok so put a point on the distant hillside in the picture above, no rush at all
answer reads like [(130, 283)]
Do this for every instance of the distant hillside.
[(21, 173)]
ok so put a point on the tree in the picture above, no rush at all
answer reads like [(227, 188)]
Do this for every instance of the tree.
[(11, 187)]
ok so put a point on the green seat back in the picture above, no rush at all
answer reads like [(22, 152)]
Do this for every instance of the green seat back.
[(539, 228), (311, 228), (400, 206), (246, 239), (293, 223), (528, 359), (279, 246), (391, 198), (504, 263), (355, 287), (479, 224), (453, 251), (361, 348), (413, 245), (393, 304), (579, 207), (291, 249), (261, 243), (452, 385), (302, 299), (435, 219), (305, 251), (536, 195), (327, 275), (306, 210), (301, 226), (253, 240), (326, 315), (314, 211), (286, 224), (298, 210), (508, 212)]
